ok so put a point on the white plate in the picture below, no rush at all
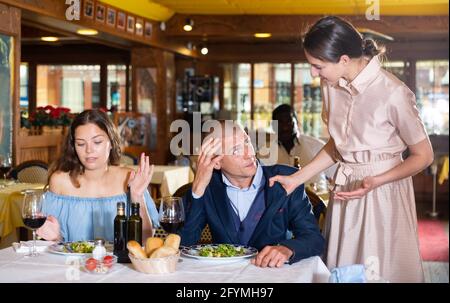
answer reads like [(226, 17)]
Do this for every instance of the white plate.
[(194, 252), (60, 248)]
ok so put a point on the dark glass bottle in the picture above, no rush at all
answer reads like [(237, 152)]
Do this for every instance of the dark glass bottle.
[(135, 224), (120, 234)]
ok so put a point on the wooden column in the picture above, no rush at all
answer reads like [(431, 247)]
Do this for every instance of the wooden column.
[(103, 85), (32, 86), (146, 57), (127, 89), (292, 85), (252, 92)]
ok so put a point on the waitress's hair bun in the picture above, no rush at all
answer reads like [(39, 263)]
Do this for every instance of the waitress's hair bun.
[(371, 49)]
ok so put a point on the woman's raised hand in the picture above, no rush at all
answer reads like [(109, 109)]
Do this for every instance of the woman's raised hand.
[(140, 179)]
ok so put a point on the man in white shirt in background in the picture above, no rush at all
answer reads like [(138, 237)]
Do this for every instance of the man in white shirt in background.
[(292, 144)]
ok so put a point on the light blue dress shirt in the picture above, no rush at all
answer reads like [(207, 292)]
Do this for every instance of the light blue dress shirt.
[(242, 199)]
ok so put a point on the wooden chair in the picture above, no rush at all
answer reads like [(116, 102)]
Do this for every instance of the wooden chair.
[(319, 206), (181, 192), (160, 233)]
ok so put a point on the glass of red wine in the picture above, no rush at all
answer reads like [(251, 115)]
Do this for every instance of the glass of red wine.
[(32, 214), (171, 214)]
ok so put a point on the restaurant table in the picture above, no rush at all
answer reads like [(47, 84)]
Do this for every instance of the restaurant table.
[(11, 200), (49, 267), (167, 179)]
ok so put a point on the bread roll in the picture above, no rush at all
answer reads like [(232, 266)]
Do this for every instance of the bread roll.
[(136, 249), (153, 243), (173, 240), (163, 251)]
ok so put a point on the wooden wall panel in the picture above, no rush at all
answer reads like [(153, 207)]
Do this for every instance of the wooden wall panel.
[(46, 147)]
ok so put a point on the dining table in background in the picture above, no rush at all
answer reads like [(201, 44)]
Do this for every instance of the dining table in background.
[(167, 179), (49, 267)]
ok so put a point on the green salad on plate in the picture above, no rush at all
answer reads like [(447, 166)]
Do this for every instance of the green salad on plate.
[(221, 250)]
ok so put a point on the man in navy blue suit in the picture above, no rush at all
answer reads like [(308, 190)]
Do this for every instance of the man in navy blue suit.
[(231, 194)]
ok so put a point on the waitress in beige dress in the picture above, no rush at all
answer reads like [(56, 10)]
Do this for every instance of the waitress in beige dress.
[(372, 118)]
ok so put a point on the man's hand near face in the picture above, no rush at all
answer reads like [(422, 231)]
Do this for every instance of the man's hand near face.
[(207, 159)]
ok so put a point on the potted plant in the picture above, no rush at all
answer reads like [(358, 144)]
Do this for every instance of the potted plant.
[(49, 119)]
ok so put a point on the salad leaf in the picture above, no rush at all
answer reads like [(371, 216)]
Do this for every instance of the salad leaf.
[(82, 247)]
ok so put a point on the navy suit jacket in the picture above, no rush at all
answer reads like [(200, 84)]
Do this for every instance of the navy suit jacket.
[(282, 213)]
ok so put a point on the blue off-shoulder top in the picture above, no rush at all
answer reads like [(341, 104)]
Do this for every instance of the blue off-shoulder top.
[(82, 219)]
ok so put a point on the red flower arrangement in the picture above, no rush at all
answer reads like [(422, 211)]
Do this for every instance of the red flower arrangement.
[(50, 116)]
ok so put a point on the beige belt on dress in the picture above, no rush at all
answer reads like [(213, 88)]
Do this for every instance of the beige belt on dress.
[(346, 169)]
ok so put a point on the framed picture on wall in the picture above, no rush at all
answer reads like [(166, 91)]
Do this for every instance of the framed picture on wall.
[(139, 26), (111, 17), (148, 29), (121, 19), (100, 13), (88, 10), (130, 24), (135, 129)]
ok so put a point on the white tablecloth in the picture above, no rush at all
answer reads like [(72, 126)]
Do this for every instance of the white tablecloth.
[(49, 267)]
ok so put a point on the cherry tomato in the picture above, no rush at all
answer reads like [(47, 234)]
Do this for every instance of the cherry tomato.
[(108, 261), (91, 264)]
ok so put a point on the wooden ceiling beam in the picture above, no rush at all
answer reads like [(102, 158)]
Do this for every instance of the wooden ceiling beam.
[(293, 26), (52, 14)]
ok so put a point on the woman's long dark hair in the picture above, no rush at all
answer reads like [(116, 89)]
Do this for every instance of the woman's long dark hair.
[(69, 161), (331, 37)]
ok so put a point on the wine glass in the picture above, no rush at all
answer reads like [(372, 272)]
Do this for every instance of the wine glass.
[(32, 214), (171, 214), (5, 164)]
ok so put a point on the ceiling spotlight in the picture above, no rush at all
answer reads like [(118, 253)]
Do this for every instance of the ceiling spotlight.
[(204, 50), (263, 35), (49, 39), (188, 25), (87, 32)]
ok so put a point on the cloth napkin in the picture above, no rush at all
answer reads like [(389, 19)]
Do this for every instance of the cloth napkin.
[(25, 246), (348, 274)]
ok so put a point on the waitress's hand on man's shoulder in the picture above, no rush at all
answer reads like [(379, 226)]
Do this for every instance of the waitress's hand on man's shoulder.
[(208, 159), (289, 183)]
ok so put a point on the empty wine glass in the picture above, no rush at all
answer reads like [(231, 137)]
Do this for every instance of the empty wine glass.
[(32, 214), (171, 214)]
